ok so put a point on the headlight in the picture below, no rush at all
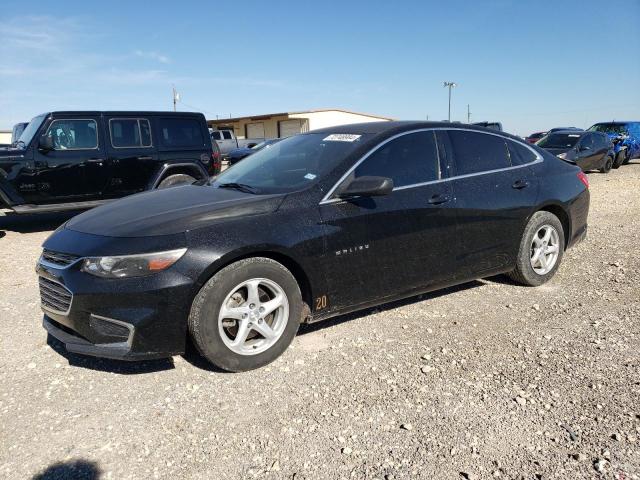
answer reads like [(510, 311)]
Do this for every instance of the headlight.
[(562, 155), (131, 265)]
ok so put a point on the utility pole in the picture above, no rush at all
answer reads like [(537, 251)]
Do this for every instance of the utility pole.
[(468, 114), (450, 85), (176, 97)]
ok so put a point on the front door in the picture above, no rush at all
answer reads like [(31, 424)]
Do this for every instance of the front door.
[(397, 243), (74, 170), (131, 155)]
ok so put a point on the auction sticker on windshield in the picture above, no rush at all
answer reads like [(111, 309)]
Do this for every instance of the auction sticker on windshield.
[(341, 137)]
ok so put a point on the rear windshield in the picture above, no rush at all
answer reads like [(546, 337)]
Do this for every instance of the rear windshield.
[(559, 140), (617, 128), (180, 132), (291, 164)]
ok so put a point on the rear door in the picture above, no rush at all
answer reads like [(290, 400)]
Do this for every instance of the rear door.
[(75, 169), (132, 156), (494, 190), (184, 140)]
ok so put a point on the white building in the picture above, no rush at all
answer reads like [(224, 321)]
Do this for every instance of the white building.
[(280, 125)]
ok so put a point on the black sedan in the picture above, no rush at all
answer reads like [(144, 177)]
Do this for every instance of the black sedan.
[(320, 224), (588, 150), (239, 153)]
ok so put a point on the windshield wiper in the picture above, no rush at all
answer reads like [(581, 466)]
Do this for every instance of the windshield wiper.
[(242, 187)]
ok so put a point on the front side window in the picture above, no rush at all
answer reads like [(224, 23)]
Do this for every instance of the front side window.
[(130, 132), (477, 152), (180, 132), (73, 134), (586, 142), (407, 160)]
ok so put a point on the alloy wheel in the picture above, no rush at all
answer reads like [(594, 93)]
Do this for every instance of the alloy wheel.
[(253, 316), (545, 247)]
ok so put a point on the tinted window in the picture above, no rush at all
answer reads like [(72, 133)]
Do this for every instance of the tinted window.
[(617, 128), (586, 142), (519, 154), (181, 132), (130, 132), (407, 160), (216, 135), (226, 134), (478, 152), (73, 134)]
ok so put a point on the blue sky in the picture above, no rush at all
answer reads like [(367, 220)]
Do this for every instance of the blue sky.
[(531, 65)]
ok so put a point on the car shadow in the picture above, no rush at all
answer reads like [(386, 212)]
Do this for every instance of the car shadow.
[(121, 367), (307, 328), (74, 469), (193, 356), (33, 223)]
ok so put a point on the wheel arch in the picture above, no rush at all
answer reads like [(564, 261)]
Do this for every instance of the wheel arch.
[(295, 267), (168, 169)]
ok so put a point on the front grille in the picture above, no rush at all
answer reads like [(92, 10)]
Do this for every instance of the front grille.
[(54, 296), (57, 258)]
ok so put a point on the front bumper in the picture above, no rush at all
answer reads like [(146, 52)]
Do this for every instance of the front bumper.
[(128, 319)]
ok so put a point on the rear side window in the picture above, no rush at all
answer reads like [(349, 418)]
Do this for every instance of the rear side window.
[(73, 134), (519, 154), (476, 152), (586, 142), (130, 132), (226, 134), (180, 132), (216, 135), (407, 160)]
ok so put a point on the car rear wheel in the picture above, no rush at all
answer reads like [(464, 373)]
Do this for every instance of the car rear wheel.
[(177, 179), (541, 250), (627, 157), (608, 163), (246, 315)]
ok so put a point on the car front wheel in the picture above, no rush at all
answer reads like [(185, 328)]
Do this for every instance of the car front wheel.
[(608, 163), (619, 159), (246, 315), (541, 250), (175, 180)]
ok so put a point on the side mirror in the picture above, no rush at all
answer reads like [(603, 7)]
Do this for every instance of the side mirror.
[(46, 143), (367, 187)]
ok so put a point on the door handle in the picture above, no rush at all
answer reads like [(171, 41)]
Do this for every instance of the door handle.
[(95, 160), (439, 199), (520, 184), (144, 158)]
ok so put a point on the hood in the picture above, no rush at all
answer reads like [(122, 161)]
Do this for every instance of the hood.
[(171, 211)]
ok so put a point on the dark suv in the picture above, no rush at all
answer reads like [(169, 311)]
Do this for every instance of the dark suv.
[(73, 160)]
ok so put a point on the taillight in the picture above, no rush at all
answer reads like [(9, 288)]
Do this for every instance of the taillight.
[(583, 178), (215, 156)]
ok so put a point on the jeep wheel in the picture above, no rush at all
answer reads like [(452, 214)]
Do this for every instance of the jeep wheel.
[(608, 163), (177, 179), (246, 315), (541, 250)]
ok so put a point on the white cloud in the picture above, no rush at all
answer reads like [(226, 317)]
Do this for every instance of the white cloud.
[(152, 56)]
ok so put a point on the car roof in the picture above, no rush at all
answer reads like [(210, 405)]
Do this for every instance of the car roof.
[(120, 112), (395, 127), (570, 132)]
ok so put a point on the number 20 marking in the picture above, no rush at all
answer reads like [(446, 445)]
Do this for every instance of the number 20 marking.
[(321, 302)]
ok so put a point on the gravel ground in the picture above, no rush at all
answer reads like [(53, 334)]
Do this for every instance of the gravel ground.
[(486, 380)]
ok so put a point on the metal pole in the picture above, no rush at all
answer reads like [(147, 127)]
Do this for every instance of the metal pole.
[(174, 98), (449, 102), (468, 114)]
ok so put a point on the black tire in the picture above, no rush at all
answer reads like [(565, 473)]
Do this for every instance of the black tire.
[(177, 179), (203, 319), (608, 163), (524, 272), (619, 159), (627, 158)]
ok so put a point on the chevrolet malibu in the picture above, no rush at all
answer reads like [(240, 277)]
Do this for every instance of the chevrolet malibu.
[(318, 225)]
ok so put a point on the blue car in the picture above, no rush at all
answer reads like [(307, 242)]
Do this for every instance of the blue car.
[(625, 137)]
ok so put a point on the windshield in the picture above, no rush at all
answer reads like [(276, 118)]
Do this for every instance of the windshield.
[(291, 164), (559, 140), (30, 131), (617, 128)]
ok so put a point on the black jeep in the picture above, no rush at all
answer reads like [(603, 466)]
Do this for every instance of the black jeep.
[(74, 160)]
